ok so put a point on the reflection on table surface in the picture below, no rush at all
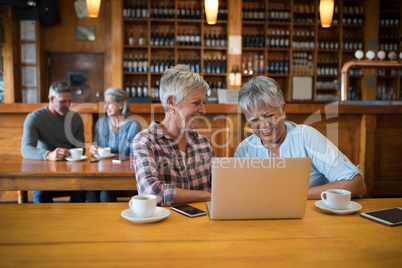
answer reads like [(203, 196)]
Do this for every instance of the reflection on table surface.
[(15, 165)]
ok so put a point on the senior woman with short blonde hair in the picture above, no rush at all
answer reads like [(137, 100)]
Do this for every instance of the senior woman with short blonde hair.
[(261, 100), (171, 159)]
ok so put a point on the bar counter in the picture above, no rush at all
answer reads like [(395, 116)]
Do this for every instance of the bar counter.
[(370, 135)]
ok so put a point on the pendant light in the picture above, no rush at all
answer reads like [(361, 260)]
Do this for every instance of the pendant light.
[(93, 7), (326, 12), (211, 10)]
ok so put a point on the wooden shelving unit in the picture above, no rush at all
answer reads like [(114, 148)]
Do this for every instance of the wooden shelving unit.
[(192, 49)]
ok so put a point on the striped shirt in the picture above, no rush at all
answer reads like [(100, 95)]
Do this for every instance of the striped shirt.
[(160, 166)]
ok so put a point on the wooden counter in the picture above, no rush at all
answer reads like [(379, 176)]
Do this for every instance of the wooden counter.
[(370, 135), (95, 235)]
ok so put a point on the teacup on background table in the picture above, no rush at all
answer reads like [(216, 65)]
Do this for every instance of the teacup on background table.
[(104, 151), (76, 153), (336, 198), (143, 205)]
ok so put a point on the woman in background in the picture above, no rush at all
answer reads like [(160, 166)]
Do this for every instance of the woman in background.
[(116, 131)]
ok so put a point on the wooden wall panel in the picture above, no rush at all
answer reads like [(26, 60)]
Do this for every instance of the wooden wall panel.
[(61, 37)]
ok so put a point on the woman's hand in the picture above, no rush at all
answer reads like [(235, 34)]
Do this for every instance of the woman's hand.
[(94, 149)]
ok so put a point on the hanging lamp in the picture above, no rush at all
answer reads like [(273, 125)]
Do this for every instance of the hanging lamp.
[(93, 7), (211, 10), (326, 12)]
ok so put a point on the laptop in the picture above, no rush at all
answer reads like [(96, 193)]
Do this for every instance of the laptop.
[(259, 188)]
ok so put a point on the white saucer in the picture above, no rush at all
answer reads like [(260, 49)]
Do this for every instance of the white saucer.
[(352, 208), (106, 156), (160, 214), (83, 157)]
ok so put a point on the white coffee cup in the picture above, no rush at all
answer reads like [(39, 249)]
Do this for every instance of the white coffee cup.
[(104, 151), (336, 198), (143, 205), (76, 153)]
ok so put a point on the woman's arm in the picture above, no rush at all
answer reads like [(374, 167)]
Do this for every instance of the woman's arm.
[(184, 196), (356, 186)]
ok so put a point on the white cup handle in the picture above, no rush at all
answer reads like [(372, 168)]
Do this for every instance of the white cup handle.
[(322, 197), (129, 204)]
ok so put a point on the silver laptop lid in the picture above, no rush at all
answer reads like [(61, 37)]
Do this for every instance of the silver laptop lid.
[(259, 188)]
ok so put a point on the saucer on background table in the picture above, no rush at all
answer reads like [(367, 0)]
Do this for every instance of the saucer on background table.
[(83, 157), (106, 156), (352, 208), (160, 214)]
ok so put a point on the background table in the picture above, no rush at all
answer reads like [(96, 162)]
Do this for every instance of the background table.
[(95, 235), (18, 174)]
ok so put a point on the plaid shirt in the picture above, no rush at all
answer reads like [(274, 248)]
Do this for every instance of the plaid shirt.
[(160, 167)]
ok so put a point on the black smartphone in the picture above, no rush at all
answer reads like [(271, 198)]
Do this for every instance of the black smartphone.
[(94, 160), (188, 210), (390, 217)]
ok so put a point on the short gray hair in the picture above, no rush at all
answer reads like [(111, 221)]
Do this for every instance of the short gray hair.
[(260, 92), (58, 87), (119, 96), (178, 82)]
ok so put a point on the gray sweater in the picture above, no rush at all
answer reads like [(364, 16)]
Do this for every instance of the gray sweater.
[(43, 133)]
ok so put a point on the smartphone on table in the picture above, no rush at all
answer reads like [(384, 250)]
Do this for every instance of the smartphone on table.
[(188, 210), (390, 216)]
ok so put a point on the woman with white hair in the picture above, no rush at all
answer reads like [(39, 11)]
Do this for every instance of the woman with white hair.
[(262, 102), (116, 131), (171, 160)]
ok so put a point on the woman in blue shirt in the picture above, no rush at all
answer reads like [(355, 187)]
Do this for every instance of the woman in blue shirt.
[(261, 100), (116, 131)]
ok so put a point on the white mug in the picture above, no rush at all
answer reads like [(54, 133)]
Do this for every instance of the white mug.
[(76, 153), (104, 151), (143, 205), (336, 198)]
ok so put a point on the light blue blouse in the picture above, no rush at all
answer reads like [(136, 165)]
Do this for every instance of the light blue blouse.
[(328, 163), (121, 142)]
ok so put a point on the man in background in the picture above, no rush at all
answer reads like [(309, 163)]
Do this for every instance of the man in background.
[(49, 134)]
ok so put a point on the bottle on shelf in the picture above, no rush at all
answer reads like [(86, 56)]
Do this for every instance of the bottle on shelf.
[(131, 40), (141, 39)]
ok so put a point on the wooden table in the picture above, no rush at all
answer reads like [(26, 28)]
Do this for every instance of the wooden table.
[(95, 235), (18, 174)]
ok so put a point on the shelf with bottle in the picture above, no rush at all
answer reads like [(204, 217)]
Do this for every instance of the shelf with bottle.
[(135, 10), (304, 14), (253, 12), (389, 16), (137, 87), (352, 41), (135, 35), (215, 38), (279, 13), (161, 62), (328, 41), (188, 11), (253, 64), (303, 39), (303, 63), (278, 38), (136, 64), (192, 60), (162, 36), (353, 16), (214, 64), (188, 37), (162, 10)]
